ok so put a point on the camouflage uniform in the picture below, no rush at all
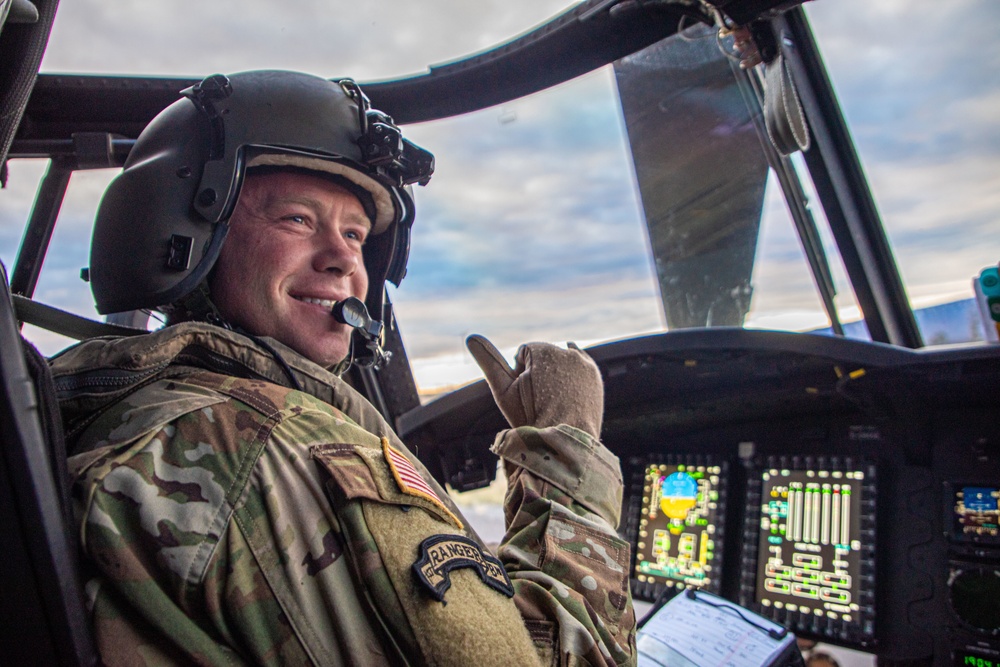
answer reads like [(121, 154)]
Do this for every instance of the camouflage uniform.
[(228, 519)]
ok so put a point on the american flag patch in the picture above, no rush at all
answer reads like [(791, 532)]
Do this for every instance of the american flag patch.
[(409, 480)]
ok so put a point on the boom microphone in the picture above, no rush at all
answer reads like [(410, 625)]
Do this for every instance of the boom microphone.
[(352, 312)]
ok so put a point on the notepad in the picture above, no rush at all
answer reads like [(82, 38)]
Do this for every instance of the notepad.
[(697, 629)]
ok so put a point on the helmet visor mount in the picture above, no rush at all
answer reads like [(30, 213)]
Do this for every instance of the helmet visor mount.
[(296, 121)]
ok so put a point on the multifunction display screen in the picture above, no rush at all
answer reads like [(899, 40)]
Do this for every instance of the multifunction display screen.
[(678, 525), (809, 548), (975, 514)]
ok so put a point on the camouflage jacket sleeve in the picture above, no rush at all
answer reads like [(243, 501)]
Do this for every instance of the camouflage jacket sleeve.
[(568, 565)]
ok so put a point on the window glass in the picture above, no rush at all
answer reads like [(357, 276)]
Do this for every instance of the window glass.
[(530, 230), (374, 39), (785, 294), (534, 225), (725, 248), (918, 85)]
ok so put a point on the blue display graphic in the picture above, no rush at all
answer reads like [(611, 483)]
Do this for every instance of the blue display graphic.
[(976, 513)]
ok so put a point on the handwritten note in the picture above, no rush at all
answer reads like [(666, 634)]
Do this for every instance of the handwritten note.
[(706, 631)]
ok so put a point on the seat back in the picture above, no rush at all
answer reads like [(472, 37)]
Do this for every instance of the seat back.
[(41, 597)]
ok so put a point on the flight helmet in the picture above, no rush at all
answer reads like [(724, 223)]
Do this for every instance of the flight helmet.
[(163, 220)]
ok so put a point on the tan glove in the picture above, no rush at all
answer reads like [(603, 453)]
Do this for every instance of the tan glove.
[(549, 385)]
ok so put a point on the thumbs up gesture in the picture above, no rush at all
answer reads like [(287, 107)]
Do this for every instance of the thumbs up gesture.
[(548, 385)]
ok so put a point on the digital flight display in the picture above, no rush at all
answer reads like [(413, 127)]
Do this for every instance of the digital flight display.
[(809, 551), (975, 514), (679, 526), (964, 658)]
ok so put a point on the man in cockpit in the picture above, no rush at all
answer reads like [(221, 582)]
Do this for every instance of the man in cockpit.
[(238, 501)]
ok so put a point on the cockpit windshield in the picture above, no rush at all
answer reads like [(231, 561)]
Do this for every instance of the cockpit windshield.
[(919, 89), (612, 205), (383, 39)]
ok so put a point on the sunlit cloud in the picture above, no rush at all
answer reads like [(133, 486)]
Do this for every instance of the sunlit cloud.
[(369, 40)]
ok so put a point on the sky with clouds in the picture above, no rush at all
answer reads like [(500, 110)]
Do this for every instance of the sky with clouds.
[(531, 227)]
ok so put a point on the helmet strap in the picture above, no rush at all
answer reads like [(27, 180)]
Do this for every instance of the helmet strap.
[(195, 306)]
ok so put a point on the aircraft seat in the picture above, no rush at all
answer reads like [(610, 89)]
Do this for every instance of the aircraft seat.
[(41, 595)]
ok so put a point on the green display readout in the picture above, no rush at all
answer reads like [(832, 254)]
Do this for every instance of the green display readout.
[(970, 660)]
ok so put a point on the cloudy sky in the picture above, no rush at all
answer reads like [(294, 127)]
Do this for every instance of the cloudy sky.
[(532, 227)]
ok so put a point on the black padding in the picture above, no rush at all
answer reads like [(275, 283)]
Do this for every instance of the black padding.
[(41, 600)]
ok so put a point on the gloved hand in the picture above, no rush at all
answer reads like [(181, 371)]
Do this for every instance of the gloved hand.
[(548, 386)]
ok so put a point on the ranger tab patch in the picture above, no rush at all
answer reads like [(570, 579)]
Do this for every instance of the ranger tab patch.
[(409, 480), (440, 554)]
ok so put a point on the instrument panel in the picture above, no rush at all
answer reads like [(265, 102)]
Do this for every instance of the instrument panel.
[(848, 490)]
